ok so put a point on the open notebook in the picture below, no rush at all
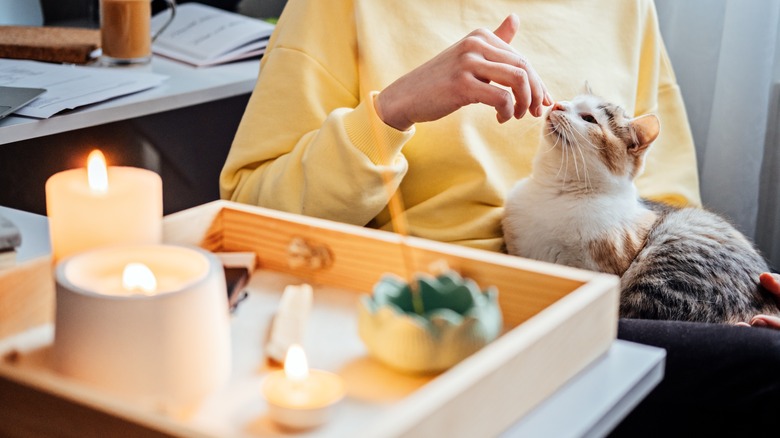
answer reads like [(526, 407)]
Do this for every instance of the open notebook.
[(13, 98)]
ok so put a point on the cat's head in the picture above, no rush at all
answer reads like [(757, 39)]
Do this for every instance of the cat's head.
[(591, 142)]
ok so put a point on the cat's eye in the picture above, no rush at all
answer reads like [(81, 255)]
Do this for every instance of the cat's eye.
[(588, 118)]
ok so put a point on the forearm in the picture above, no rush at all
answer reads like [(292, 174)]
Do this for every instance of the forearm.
[(321, 176), (292, 154)]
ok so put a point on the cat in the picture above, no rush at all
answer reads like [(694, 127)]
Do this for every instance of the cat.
[(580, 207)]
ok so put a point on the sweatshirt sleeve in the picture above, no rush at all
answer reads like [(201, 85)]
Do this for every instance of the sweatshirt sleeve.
[(671, 173), (308, 142)]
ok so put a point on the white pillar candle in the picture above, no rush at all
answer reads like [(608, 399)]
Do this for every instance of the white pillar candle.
[(164, 343), (86, 211)]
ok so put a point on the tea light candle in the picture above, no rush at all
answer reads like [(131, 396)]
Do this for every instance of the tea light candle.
[(149, 323), (300, 398), (101, 205)]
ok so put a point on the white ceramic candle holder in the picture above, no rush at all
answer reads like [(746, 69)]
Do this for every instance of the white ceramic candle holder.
[(169, 348)]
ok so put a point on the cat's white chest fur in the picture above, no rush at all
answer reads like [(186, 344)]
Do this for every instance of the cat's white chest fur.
[(542, 222)]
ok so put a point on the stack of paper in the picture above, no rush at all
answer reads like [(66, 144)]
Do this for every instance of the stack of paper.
[(10, 239), (202, 35), (71, 86)]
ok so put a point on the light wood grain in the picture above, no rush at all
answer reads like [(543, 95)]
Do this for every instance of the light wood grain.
[(26, 296), (558, 320), (37, 405), (362, 256), (512, 375)]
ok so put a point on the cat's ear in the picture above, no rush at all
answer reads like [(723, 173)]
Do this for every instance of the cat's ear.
[(587, 89), (646, 129)]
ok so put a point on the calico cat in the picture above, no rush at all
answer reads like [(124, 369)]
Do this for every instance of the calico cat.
[(580, 208)]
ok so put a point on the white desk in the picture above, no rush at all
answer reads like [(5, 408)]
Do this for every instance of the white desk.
[(35, 233), (186, 86), (599, 397), (589, 405), (181, 129)]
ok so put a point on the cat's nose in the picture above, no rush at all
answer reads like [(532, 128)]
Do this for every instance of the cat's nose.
[(558, 106)]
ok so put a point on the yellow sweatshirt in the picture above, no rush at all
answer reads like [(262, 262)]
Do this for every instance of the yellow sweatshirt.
[(310, 141)]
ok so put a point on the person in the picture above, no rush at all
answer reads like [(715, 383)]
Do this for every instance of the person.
[(359, 99)]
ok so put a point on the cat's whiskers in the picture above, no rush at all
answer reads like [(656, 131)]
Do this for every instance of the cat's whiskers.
[(560, 168), (588, 141), (565, 148), (567, 135), (557, 139), (574, 158), (550, 133), (578, 144), (569, 132), (533, 124), (564, 158), (588, 186)]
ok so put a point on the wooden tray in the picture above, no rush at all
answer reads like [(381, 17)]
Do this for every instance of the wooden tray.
[(557, 321)]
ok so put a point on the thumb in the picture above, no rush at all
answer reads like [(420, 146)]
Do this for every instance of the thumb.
[(508, 28), (771, 282)]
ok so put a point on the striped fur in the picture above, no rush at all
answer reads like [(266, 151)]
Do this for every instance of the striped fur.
[(580, 208), (695, 266)]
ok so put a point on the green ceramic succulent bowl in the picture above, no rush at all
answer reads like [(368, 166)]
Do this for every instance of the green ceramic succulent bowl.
[(458, 319)]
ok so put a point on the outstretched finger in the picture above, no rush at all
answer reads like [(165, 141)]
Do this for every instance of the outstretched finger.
[(508, 28), (514, 78), (502, 51), (521, 70), (538, 92)]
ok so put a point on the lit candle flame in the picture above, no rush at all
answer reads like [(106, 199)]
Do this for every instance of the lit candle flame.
[(96, 172), (137, 277), (295, 366)]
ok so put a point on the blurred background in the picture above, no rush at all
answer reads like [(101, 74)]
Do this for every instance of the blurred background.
[(84, 13), (725, 53)]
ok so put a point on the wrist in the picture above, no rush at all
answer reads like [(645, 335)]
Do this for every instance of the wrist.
[(385, 110)]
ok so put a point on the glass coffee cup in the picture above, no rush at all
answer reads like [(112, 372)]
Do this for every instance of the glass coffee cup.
[(125, 31)]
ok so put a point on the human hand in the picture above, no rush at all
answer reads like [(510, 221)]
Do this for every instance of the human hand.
[(767, 321), (462, 75), (770, 282)]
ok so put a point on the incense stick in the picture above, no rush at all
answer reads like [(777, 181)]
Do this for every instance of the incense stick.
[(401, 226)]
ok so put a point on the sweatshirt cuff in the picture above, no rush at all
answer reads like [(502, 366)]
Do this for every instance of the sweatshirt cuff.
[(380, 142)]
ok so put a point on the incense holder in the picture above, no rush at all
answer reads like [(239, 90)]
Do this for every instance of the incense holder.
[(458, 319)]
